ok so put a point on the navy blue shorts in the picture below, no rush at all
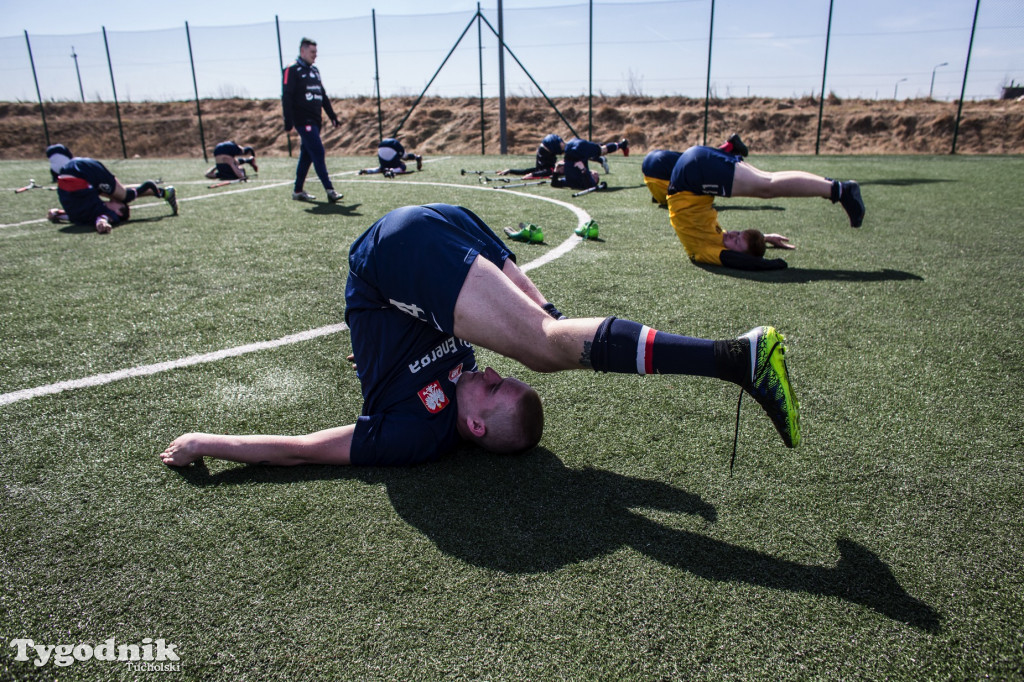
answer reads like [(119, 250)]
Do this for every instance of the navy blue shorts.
[(577, 172), (415, 259), (658, 164), (225, 171), (704, 170), (85, 206)]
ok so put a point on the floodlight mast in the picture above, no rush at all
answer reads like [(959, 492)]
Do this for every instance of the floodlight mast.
[(896, 87), (931, 89)]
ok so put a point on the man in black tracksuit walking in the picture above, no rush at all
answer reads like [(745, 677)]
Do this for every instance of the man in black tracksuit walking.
[(302, 99)]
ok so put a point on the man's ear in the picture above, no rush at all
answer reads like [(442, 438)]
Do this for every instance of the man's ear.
[(476, 426)]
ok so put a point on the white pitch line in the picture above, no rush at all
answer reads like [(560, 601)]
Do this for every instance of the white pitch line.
[(145, 370)]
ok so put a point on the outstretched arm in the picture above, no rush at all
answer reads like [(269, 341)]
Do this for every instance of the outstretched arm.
[(778, 241), (330, 446)]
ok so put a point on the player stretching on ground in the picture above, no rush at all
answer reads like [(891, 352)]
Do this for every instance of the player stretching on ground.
[(547, 156), (391, 158), (702, 173), (578, 154), (424, 283), (229, 158), (81, 185)]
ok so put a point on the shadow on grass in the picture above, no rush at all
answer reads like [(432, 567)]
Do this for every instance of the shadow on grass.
[(530, 514), (761, 207), (902, 182), (615, 188), (74, 228), (804, 275), (334, 209)]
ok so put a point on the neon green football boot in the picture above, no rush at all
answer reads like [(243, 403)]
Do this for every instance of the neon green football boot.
[(171, 197), (587, 230), (528, 233), (769, 382)]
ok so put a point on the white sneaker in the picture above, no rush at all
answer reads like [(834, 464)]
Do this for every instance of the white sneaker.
[(334, 197), (303, 196), (604, 164)]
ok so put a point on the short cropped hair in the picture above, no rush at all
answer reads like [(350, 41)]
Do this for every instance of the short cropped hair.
[(755, 242), (307, 41), (517, 430)]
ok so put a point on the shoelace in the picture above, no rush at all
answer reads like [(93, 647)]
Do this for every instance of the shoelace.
[(736, 434)]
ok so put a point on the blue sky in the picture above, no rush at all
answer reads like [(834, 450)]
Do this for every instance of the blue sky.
[(772, 48)]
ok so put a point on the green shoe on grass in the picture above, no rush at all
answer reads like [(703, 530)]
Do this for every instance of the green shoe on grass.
[(588, 230), (528, 233)]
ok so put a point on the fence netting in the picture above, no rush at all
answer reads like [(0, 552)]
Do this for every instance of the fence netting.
[(877, 49)]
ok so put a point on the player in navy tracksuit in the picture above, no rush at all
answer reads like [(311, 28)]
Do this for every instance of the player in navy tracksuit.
[(391, 158), (547, 156), (82, 184), (229, 158), (577, 154), (303, 100), (427, 281)]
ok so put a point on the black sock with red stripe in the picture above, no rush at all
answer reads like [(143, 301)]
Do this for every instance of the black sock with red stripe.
[(627, 347)]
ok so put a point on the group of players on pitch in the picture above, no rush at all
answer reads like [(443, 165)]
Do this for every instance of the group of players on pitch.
[(426, 283)]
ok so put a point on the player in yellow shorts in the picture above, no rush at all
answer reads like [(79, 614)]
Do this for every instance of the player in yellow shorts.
[(702, 173)]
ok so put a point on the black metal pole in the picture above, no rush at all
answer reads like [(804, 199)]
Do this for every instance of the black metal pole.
[(824, 71), (963, 88), (707, 91), (117, 106), (502, 130), (195, 87), (78, 73), (376, 77), (480, 54), (39, 96), (590, 81), (280, 59)]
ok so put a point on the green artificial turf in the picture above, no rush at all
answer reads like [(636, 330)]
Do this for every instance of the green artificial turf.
[(888, 546)]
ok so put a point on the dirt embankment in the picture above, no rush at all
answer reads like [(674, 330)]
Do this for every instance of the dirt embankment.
[(452, 126)]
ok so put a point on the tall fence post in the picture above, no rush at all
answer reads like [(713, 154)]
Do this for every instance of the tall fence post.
[(824, 71), (480, 59), (195, 87), (963, 88), (502, 131), (707, 91), (376, 77), (117, 106), (39, 96), (280, 59), (590, 77), (81, 90)]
